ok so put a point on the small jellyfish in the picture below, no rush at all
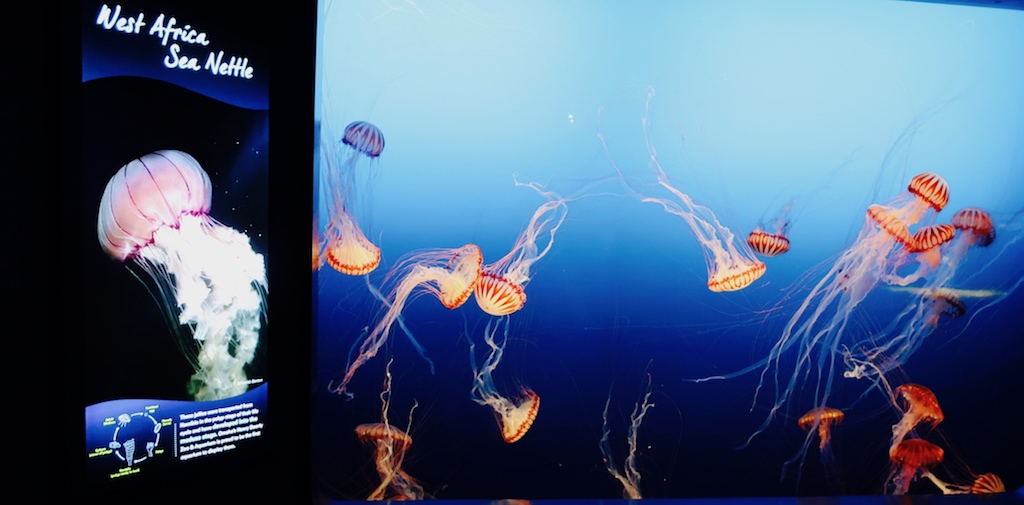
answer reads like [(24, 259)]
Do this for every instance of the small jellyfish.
[(823, 418), (730, 262), (500, 290), (450, 275), (977, 224), (390, 445), (342, 244), (919, 406), (910, 458), (925, 251), (515, 416), (988, 483), (771, 239)]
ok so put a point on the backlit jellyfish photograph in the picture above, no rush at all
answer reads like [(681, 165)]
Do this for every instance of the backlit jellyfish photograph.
[(450, 275), (389, 446), (911, 458), (500, 290), (629, 476), (772, 238), (730, 261), (515, 413), (154, 213), (342, 244)]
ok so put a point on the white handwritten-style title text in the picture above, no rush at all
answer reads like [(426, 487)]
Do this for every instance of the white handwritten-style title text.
[(173, 37)]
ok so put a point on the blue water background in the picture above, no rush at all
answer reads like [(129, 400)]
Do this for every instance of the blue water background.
[(832, 106)]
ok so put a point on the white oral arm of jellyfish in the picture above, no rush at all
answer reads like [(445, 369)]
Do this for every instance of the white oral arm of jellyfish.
[(155, 211), (514, 417), (630, 477), (448, 274)]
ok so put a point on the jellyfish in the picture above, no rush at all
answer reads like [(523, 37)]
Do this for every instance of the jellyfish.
[(924, 249), (820, 421), (155, 212), (822, 418), (450, 275), (988, 483), (630, 477), (515, 416), (500, 289), (342, 244), (730, 261), (976, 225), (984, 484), (919, 406), (390, 445), (771, 239), (910, 458)]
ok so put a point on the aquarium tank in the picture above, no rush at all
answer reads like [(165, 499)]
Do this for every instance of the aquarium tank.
[(602, 250)]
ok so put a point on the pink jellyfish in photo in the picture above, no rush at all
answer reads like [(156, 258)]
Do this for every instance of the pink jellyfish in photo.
[(515, 415), (342, 243), (155, 213)]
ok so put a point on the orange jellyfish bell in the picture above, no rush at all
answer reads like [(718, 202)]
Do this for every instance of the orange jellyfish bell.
[(736, 277), (988, 483), (464, 273), (917, 453), (825, 418), (767, 244), (920, 399), (498, 296), (909, 457), (348, 250), (517, 421), (891, 224), (976, 222), (380, 432), (931, 188), (928, 239)]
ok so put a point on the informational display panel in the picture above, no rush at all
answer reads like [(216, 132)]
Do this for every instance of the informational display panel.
[(175, 140)]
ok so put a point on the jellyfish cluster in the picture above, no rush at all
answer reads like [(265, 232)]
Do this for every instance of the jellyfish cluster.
[(902, 249), (155, 214), (915, 457)]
